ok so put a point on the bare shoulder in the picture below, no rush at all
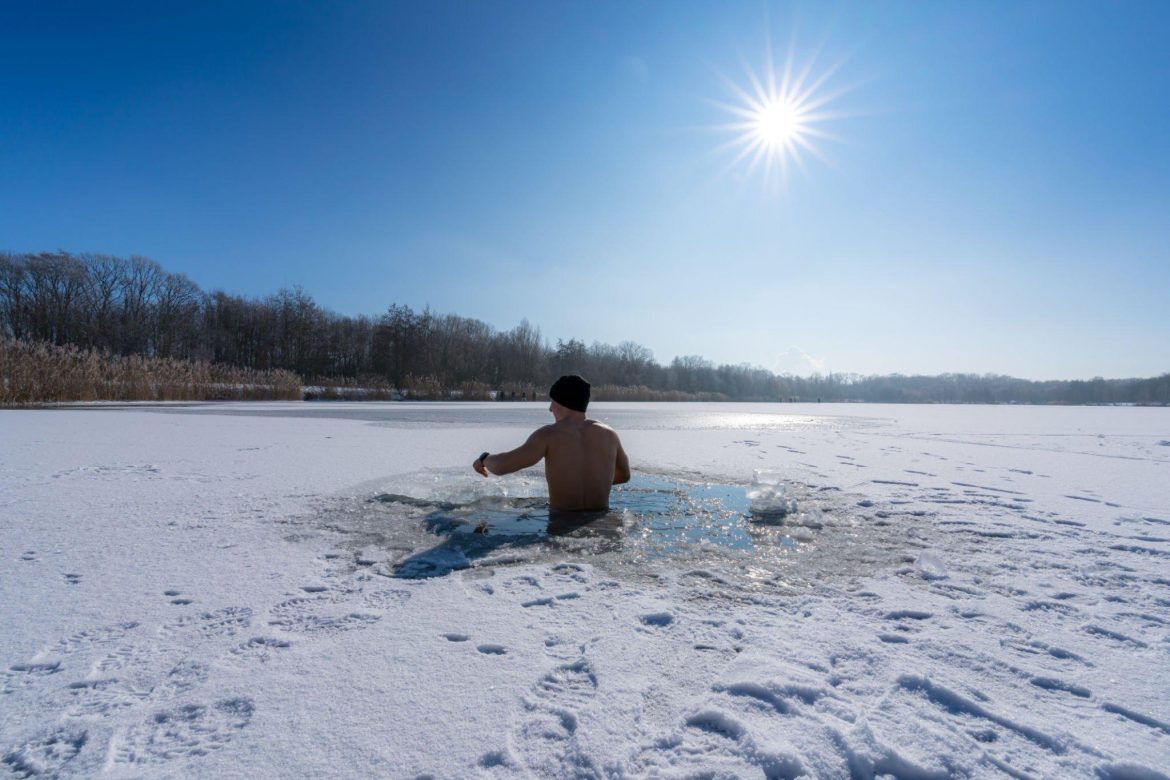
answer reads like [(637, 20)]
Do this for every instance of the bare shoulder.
[(601, 426)]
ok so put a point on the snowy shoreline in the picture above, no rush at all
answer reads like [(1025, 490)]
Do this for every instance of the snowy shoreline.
[(186, 591)]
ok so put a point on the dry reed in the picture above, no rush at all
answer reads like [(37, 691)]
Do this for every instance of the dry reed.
[(422, 388), (350, 389), (643, 393), (39, 372)]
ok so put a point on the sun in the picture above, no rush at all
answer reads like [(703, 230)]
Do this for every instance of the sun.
[(776, 124), (779, 116)]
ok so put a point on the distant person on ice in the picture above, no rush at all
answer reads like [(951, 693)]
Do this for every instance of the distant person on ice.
[(583, 458)]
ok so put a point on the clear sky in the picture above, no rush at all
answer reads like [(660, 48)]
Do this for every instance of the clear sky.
[(995, 196)]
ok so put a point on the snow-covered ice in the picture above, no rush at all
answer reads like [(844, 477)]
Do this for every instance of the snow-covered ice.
[(284, 589)]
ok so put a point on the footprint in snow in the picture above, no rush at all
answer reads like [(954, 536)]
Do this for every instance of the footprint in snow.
[(1053, 684), (545, 737), (657, 619), (911, 614), (317, 615), (53, 658), (1034, 648), (184, 677), (1137, 717), (713, 743), (134, 674), (521, 585), (47, 755), (961, 711), (91, 637), (257, 650), (569, 685), (1115, 636), (226, 622), (385, 599), (719, 723), (145, 661), (572, 571), (1043, 605), (102, 697), (23, 675), (187, 731)]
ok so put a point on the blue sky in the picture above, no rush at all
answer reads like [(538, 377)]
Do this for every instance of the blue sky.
[(994, 198)]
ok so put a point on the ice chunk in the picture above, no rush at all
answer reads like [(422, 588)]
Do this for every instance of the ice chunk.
[(810, 517), (930, 566), (769, 497)]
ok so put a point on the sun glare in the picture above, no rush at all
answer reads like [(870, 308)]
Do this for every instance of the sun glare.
[(779, 115), (776, 123)]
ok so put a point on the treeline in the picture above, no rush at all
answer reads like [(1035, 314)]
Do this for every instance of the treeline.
[(133, 307)]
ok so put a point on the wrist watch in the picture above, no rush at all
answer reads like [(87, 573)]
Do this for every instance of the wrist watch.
[(482, 457)]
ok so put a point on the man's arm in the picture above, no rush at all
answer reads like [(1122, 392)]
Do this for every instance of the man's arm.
[(527, 454), (621, 468)]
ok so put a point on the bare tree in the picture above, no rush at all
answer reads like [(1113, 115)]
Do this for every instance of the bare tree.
[(133, 307)]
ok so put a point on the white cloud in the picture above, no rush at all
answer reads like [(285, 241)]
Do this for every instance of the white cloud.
[(796, 361)]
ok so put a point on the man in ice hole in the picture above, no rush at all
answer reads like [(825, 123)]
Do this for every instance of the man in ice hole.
[(583, 458)]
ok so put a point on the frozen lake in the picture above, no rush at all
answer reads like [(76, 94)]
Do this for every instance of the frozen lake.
[(284, 589)]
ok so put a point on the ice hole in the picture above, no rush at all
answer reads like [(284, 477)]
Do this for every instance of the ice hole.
[(470, 522)]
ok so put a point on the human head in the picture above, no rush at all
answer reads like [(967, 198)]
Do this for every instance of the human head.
[(571, 392)]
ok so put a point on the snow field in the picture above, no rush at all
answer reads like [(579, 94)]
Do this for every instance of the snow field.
[(193, 591)]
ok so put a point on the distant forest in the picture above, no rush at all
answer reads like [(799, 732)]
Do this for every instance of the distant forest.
[(133, 307)]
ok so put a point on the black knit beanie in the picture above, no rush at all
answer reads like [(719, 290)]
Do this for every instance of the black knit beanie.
[(571, 392)]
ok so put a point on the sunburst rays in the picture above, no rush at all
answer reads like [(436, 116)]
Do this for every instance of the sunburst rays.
[(779, 116)]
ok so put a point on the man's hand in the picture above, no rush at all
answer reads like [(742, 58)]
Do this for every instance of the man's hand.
[(479, 466)]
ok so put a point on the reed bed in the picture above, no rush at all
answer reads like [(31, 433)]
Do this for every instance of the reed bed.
[(422, 388), (376, 389), (39, 372), (33, 372), (643, 393), (515, 391), (350, 389)]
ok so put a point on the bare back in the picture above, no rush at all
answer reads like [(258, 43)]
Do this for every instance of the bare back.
[(580, 463), (583, 459)]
